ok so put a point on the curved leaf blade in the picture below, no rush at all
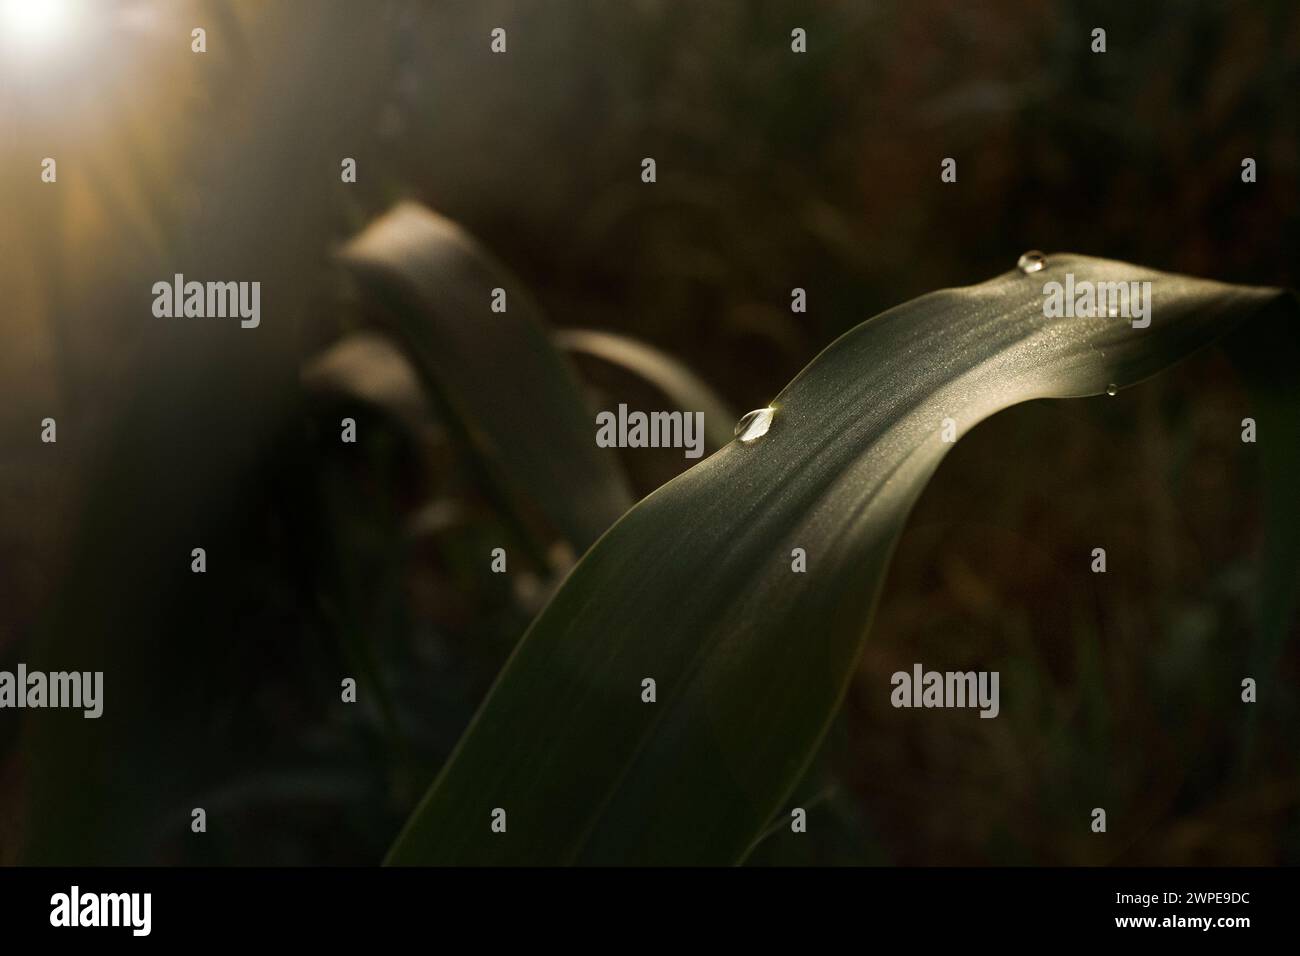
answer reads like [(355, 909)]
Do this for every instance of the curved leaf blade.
[(677, 382), (369, 368), (506, 393), (693, 586)]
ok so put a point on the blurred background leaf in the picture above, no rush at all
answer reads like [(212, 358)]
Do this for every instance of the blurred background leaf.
[(683, 389), (506, 392)]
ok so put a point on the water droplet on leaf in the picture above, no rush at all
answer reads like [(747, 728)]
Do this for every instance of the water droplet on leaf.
[(1031, 261), (1112, 390), (754, 424)]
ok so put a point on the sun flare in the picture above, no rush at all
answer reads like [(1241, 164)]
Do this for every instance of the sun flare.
[(34, 24)]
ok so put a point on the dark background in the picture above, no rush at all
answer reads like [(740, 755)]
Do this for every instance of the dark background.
[(775, 170)]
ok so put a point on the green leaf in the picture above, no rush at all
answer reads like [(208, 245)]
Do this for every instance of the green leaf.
[(507, 395), (678, 383), (693, 587), (369, 368)]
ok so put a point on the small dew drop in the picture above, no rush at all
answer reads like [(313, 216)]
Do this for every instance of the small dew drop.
[(754, 424), (1112, 390), (1031, 261)]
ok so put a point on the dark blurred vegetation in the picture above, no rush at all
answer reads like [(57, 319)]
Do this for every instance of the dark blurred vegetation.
[(775, 170)]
